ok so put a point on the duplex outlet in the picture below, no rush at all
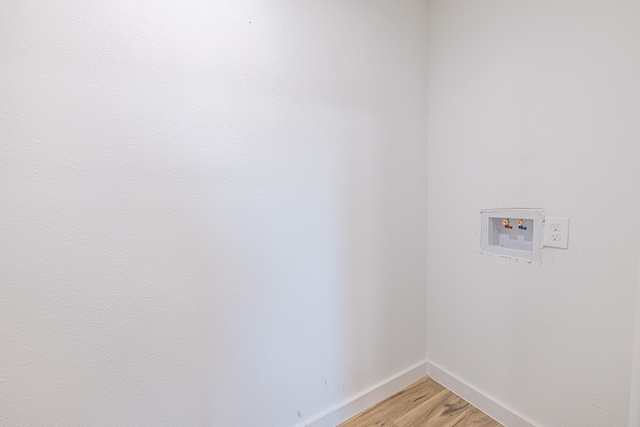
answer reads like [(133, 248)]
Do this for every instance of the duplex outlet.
[(556, 232)]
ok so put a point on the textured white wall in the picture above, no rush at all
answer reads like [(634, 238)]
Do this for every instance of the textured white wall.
[(211, 213), (536, 104)]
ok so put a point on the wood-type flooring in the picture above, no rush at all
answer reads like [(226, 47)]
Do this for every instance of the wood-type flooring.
[(424, 403)]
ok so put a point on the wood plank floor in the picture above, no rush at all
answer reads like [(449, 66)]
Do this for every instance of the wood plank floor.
[(424, 403)]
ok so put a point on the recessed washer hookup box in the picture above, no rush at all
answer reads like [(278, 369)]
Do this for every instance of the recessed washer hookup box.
[(512, 232)]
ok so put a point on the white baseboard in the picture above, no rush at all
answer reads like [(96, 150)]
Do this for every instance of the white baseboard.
[(374, 394), (486, 404)]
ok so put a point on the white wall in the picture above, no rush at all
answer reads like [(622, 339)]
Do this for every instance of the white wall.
[(536, 104), (211, 213), (634, 397)]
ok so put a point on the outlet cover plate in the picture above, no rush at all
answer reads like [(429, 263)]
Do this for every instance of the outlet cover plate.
[(556, 232)]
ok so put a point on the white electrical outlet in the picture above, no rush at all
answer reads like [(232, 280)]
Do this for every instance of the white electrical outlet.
[(556, 232)]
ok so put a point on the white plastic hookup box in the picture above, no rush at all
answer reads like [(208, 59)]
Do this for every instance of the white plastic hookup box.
[(512, 232)]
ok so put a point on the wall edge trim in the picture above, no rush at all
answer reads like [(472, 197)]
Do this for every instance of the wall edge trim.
[(487, 404), (634, 396), (368, 397)]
